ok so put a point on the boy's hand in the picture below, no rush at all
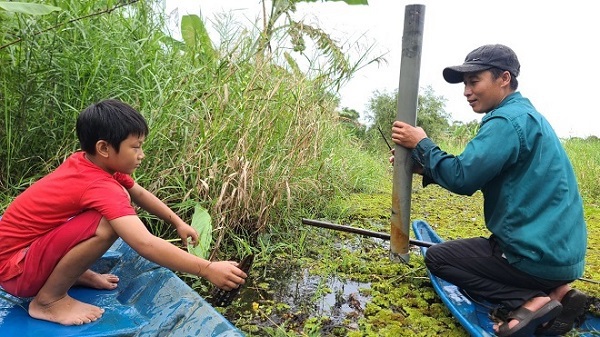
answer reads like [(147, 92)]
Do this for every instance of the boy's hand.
[(224, 274), (186, 232)]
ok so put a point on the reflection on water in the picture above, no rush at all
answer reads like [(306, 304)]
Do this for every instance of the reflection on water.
[(310, 296), (288, 294)]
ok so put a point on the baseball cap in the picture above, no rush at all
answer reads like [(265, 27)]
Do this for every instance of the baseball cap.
[(483, 58)]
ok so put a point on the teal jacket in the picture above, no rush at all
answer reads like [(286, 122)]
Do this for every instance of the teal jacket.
[(532, 203)]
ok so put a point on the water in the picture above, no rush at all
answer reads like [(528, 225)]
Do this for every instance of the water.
[(282, 294)]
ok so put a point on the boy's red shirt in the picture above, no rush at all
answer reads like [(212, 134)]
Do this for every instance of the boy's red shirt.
[(75, 186)]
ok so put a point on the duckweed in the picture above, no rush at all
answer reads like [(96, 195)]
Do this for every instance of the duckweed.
[(395, 299)]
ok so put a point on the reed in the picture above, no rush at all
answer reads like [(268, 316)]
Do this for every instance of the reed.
[(254, 142)]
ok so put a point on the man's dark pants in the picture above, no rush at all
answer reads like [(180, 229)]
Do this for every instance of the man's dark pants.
[(477, 266)]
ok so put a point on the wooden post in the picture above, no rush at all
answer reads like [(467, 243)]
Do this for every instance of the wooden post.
[(408, 94)]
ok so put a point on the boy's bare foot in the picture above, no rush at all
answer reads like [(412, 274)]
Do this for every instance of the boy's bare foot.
[(65, 311), (94, 280)]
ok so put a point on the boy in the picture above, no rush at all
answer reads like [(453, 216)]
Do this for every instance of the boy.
[(532, 204), (55, 230)]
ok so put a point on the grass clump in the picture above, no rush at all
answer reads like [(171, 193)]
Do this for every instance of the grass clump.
[(250, 137)]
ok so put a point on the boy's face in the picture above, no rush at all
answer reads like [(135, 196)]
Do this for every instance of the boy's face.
[(130, 155)]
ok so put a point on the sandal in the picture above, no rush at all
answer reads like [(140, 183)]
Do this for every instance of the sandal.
[(573, 303), (529, 320), (499, 314)]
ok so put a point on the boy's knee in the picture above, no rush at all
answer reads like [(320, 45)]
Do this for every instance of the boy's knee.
[(105, 231)]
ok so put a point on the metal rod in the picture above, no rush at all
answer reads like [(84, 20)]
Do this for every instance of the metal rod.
[(360, 231), (408, 93), (383, 136), (588, 280)]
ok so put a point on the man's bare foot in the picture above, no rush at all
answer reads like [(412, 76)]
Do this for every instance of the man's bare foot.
[(94, 280), (65, 311), (560, 292)]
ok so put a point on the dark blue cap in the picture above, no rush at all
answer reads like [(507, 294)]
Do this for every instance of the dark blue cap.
[(483, 58)]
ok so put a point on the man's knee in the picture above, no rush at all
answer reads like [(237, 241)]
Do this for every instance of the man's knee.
[(433, 258)]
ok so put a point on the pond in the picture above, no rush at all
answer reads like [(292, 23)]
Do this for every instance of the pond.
[(331, 283), (332, 290)]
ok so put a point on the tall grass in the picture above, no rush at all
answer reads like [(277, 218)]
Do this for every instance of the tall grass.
[(583, 153), (256, 144), (585, 157)]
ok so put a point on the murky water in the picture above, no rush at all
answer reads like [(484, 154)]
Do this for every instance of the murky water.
[(290, 295), (309, 295), (344, 298)]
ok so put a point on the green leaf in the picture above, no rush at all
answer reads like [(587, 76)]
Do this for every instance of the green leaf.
[(171, 42), (28, 8), (202, 223), (196, 36)]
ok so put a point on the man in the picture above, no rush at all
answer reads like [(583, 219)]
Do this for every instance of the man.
[(532, 204)]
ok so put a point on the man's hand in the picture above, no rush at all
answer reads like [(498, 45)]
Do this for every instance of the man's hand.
[(416, 168), (407, 135)]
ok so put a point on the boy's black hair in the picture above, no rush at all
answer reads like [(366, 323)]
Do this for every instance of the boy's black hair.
[(110, 120)]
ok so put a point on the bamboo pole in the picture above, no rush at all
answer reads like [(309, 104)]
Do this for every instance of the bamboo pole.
[(408, 93)]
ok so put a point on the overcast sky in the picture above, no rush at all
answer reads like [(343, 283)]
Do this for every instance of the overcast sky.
[(553, 40)]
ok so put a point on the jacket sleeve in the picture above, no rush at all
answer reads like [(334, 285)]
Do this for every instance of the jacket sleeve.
[(494, 148)]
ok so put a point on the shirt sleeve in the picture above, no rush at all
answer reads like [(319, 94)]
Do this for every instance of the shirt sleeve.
[(109, 198), (124, 179), (494, 148)]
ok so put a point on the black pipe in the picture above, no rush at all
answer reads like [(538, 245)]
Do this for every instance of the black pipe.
[(360, 231)]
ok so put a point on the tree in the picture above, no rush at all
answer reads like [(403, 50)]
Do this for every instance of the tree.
[(279, 21), (349, 118), (349, 115), (431, 116)]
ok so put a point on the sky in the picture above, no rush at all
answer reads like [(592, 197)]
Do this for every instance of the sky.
[(553, 41)]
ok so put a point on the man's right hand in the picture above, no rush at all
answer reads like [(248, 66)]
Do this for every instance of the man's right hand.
[(407, 135)]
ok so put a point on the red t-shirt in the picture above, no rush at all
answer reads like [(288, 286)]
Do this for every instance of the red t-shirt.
[(75, 186)]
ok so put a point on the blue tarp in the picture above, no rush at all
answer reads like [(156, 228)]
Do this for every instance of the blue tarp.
[(149, 301)]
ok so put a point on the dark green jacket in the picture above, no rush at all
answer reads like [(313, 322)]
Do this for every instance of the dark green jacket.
[(532, 203)]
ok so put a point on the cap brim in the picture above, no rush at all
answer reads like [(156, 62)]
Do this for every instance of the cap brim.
[(456, 74)]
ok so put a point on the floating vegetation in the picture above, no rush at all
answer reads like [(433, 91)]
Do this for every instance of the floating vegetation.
[(343, 284)]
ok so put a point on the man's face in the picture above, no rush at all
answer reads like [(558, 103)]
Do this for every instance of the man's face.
[(483, 91)]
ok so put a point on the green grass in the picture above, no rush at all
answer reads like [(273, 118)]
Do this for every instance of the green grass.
[(253, 141), (585, 157)]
